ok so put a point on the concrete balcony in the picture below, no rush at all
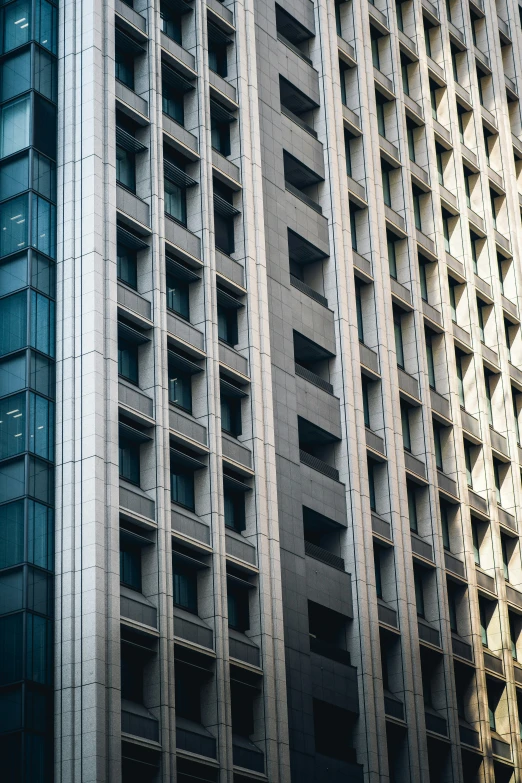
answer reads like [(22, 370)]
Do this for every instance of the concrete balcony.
[(132, 398), (454, 565), (223, 91), (178, 57), (397, 221), (470, 424), (234, 451), (426, 244), (478, 503), (133, 211), (462, 338), (232, 360), (447, 486), (409, 386), (180, 138), (226, 171), (421, 548), (351, 121), (186, 335), (369, 359), (133, 306), (191, 628), (485, 581), (186, 426), (136, 505), (183, 241), (381, 527), (440, 406), (131, 103), (414, 110), (415, 467)]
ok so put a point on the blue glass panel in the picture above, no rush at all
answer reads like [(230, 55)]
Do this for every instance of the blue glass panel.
[(14, 176), (40, 481), (41, 374), (45, 23), (12, 425), (12, 480), (13, 274), (40, 534), (41, 427), (44, 176), (15, 126), (43, 226), (12, 374), (17, 24), (14, 224), (45, 73), (13, 323), (11, 591), (15, 75), (39, 593), (44, 138), (12, 534), (42, 323), (38, 649), (11, 648), (36, 754), (11, 754), (37, 704), (11, 710)]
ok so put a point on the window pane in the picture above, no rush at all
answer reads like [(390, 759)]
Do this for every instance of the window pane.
[(11, 591), (46, 26), (12, 534), (127, 267), (175, 202), (15, 75), (44, 226), (173, 104), (45, 127), (125, 169), (11, 648), (128, 361), (14, 126), (130, 461), (41, 374), (13, 274), (40, 534), (44, 176), (17, 24), (13, 323), (38, 657), (12, 425), (182, 487), (12, 480), (178, 296), (185, 587), (130, 564), (14, 176), (45, 74), (41, 427), (12, 374), (40, 481), (14, 224), (180, 391), (42, 323)]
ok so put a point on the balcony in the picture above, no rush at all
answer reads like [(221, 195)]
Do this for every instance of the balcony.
[(317, 464), (461, 648), (469, 737), (454, 565), (501, 748), (493, 663), (440, 406), (393, 707), (485, 581), (137, 721), (448, 486), (421, 548), (427, 633), (133, 211), (436, 723), (194, 738), (370, 359), (306, 289), (387, 615), (312, 377), (136, 504), (409, 386), (246, 755), (478, 503), (328, 650)]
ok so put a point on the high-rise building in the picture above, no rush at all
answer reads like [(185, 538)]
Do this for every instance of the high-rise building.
[(260, 391)]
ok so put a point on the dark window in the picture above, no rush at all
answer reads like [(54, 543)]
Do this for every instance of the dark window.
[(483, 621), (231, 415), (224, 233), (131, 676), (220, 136), (217, 56), (358, 308), (377, 553), (175, 201), (452, 606), (178, 296), (353, 226), (170, 23), (392, 256), (127, 266), (234, 505), (124, 67), (333, 729), (406, 433), (128, 360), (419, 591), (188, 693), (129, 460), (173, 103), (444, 521), (423, 280), (366, 402), (180, 388), (386, 189), (412, 509), (185, 586), (438, 447), (371, 485), (431, 361), (227, 325), (242, 708), (182, 486), (397, 328), (130, 564), (476, 543), (125, 169), (238, 612)]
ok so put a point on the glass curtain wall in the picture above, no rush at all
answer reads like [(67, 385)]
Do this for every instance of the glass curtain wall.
[(28, 87)]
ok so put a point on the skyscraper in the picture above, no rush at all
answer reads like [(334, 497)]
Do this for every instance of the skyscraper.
[(260, 391)]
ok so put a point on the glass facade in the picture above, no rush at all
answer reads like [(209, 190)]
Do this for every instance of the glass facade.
[(28, 90)]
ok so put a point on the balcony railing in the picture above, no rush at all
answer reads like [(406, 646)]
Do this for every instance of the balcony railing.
[(469, 736), (305, 289), (393, 707), (312, 377), (328, 650), (248, 758), (303, 197), (318, 464), (436, 723), (318, 553)]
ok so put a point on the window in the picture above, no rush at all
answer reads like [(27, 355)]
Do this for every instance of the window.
[(378, 573), (427, 39), (180, 387), (381, 122), (460, 118), (131, 676), (430, 360), (412, 508), (411, 142), (234, 505), (474, 254), (375, 49), (433, 98), (182, 486), (498, 481), (392, 258), (513, 635), (238, 612), (460, 379), (348, 153), (452, 284), (220, 136), (230, 415), (440, 168), (178, 296), (124, 67), (452, 606), (185, 586), (188, 692), (507, 326), (406, 434), (366, 402), (15, 125), (227, 325), (170, 23), (173, 102), (217, 50), (487, 387), (175, 202), (224, 233), (371, 485), (486, 144), (419, 591), (438, 447), (514, 396), (129, 460), (480, 313), (446, 232), (467, 188), (405, 77), (444, 521), (128, 360), (353, 227), (468, 462), (417, 209), (127, 266), (386, 185), (130, 564), (423, 280), (333, 728), (358, 308), (476, 543), (399, 348), (500, 271), (125, 168), (505, 557)]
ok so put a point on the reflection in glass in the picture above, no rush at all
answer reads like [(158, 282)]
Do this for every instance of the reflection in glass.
[(14, 220), (14, 126), (13, 323), (15, 75), (14, 176), (17, 24), (12, 374), (13, 274)]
